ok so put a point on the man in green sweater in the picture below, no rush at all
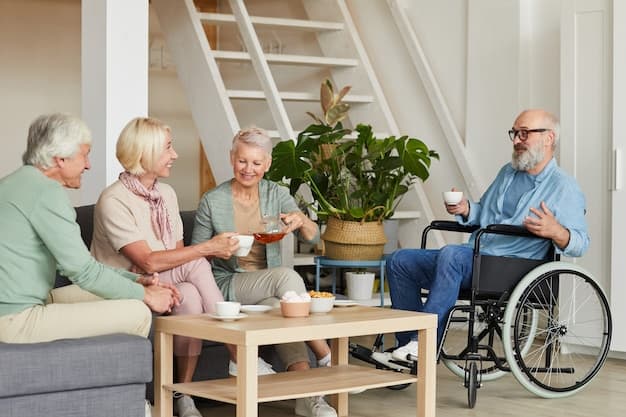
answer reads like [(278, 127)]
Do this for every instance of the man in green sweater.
[(40, 235)]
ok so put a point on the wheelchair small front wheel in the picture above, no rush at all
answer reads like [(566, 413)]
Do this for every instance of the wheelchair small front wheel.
[(486, 328), (573, 332), (471, 383)]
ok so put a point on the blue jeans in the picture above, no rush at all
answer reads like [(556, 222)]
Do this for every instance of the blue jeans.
[(441, 271)]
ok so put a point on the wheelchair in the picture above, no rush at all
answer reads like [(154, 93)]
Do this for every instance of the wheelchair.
[(546, 321)]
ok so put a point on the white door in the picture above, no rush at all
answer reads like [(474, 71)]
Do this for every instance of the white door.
[(586, 149), (618, 244)]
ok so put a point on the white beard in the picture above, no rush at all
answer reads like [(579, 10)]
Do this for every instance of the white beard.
[(528, 159)]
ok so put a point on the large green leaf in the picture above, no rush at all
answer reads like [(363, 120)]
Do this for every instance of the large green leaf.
[(287, 162)]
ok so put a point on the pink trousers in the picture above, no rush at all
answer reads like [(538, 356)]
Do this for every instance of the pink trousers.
[(199, 293)]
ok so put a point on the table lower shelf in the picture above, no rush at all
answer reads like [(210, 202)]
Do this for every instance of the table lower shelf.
[(286, 385)]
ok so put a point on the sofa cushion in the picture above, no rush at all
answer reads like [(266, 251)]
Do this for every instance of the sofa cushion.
[(188, 217), (116, 401), (84, 218), (69, 364)]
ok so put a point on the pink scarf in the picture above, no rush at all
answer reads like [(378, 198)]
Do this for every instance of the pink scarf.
[(159, 216)]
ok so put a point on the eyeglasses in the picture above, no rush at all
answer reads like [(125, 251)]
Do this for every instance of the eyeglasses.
[(523, 133)]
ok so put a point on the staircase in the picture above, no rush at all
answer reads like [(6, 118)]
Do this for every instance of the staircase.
[(266, 68)]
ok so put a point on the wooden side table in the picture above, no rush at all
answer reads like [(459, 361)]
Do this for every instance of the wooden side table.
[(248, 389)]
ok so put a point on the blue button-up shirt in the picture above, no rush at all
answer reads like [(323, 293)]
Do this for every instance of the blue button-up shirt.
[(562, 196)]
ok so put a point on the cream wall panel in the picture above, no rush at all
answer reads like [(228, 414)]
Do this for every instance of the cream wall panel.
[(585, 115), (618, 220)]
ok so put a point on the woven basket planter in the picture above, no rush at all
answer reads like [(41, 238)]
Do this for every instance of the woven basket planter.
[(347, 240)]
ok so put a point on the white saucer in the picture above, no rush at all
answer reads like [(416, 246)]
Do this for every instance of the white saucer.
[(345, 303), (228, 318), (255, 308)]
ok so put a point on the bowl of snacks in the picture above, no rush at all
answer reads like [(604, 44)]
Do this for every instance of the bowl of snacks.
[(321, 301), (293, 304)]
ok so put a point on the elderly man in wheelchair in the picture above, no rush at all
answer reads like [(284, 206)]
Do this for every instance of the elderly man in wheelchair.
[(533, 211)]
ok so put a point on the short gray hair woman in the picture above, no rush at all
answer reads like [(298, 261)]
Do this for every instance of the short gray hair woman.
[(54, 135), (254, 136)]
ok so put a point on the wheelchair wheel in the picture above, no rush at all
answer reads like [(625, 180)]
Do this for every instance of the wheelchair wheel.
[(573, 332), (471, 383), (454, 349)]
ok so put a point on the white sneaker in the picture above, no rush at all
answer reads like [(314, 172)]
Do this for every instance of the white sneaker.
[(385, 358), (185, 407), (314, 407), (262, 368), (402, 353), (148, 409)]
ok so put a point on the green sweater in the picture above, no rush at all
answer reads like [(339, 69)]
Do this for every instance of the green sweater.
[(215, 215), (39, 234)]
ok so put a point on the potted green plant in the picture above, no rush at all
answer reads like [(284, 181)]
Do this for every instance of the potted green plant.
[(358, 180)]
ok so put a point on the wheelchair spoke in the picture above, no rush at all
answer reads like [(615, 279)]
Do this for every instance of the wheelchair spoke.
[(573, 334)]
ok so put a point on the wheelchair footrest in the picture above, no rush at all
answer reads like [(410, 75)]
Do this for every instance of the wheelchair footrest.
[(382, 360)]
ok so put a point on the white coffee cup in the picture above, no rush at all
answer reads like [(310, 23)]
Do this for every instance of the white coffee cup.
[(452, 197), (245, 244), (227, 308)]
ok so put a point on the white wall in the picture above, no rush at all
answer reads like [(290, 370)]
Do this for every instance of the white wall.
[(40, 72), (39, 68), (486, 79)]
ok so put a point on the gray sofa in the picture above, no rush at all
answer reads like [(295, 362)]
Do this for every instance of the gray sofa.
[(96, 376)]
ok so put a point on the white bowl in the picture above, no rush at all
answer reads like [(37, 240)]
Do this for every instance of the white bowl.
[(322, 304), (452, 197), (245, 244)]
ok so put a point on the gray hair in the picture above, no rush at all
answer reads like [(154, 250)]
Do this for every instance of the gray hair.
[(254, 136), (555, 126), (54, 135)]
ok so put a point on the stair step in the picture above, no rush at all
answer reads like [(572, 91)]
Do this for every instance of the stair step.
[(294, 96), (274, 22), (305, 60)]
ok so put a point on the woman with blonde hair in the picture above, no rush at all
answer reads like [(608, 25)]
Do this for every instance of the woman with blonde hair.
[(137, 226)]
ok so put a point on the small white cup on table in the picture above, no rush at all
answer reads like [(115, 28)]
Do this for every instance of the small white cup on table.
[(227, 308)]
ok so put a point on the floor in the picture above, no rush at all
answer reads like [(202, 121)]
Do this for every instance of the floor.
[(604, 396)]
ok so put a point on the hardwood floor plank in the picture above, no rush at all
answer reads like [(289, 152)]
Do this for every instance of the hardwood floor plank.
[(505, 397)]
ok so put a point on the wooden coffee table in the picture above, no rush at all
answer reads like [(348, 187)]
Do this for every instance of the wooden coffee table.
[(248, 389)]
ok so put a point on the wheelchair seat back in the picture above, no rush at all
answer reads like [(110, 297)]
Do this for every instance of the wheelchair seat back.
[(497, 276)]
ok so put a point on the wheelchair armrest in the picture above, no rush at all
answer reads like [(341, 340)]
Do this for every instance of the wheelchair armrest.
[(452, 226), (448, 226), (504, 229), (508, 229)]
